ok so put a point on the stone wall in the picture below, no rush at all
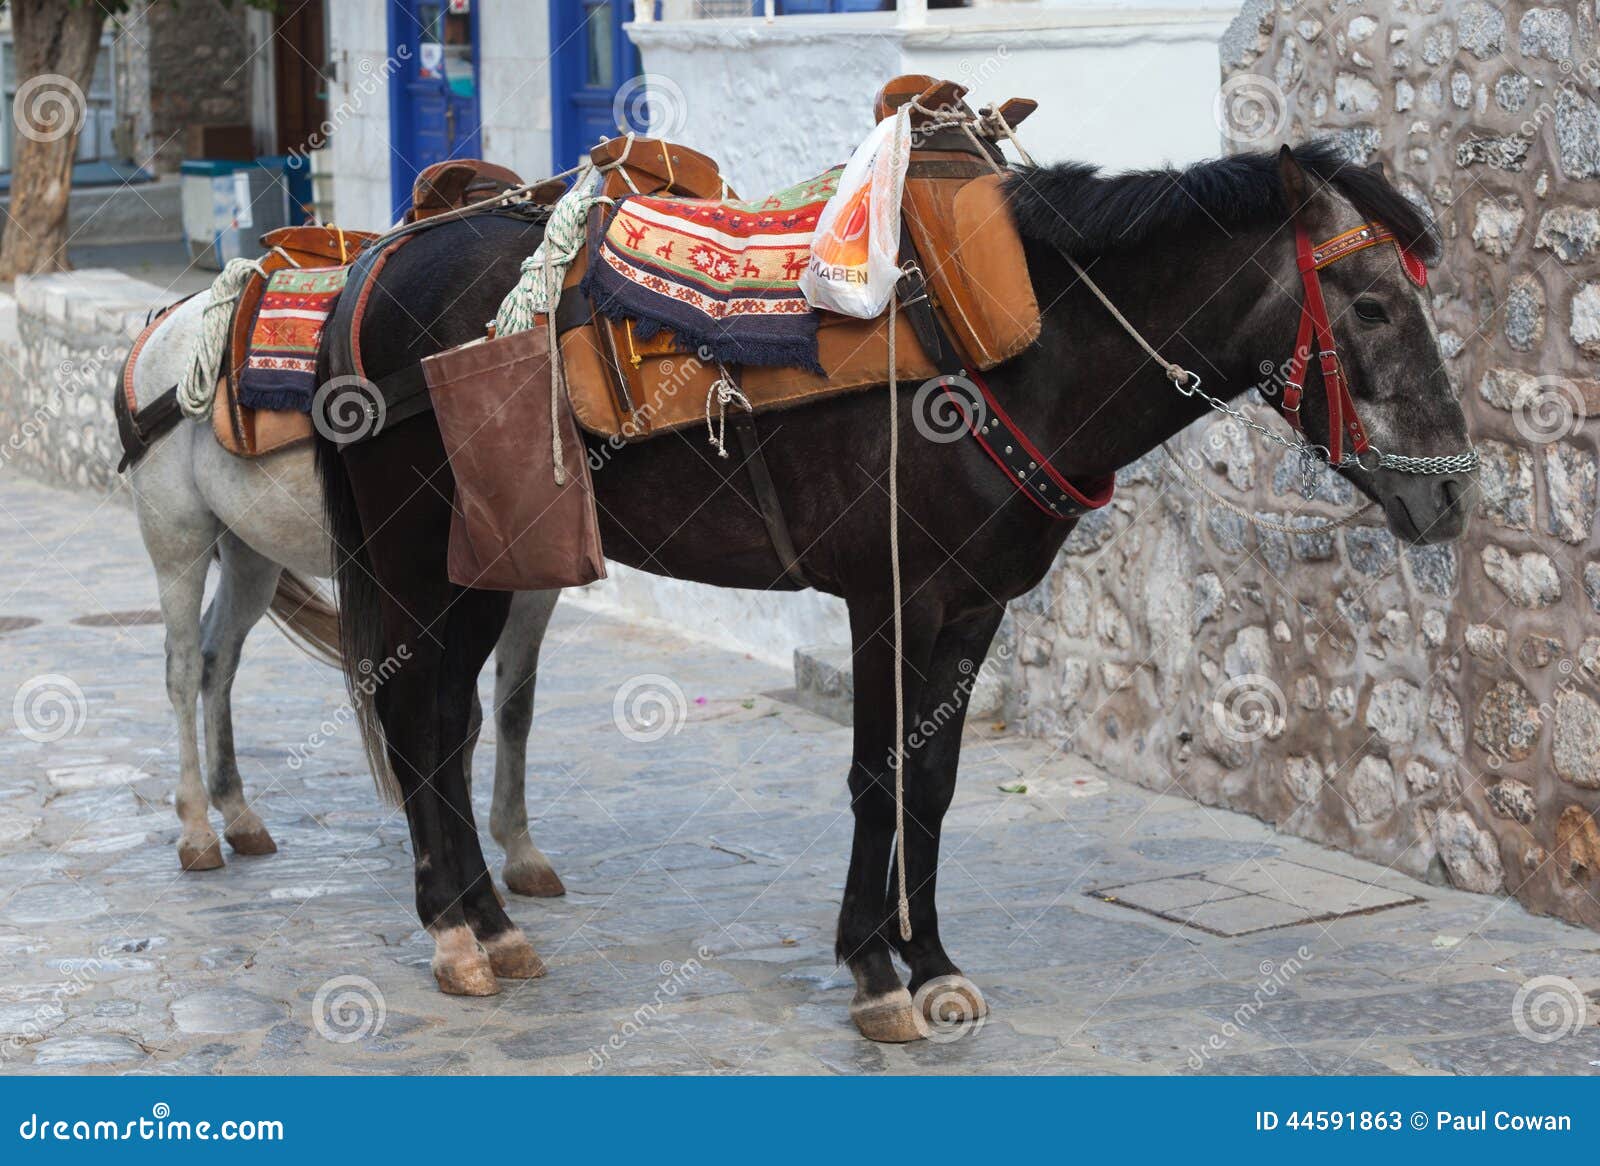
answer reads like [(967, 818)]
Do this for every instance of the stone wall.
[(63, 339), (199, 71), (1433, 708)]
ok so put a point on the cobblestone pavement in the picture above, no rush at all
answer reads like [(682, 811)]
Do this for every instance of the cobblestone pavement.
[(703, 874)]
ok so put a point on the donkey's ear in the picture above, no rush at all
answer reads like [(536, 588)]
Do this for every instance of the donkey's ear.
[(1296, 183), (1377, 167)]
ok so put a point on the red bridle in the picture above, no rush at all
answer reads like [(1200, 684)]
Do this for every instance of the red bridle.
[(1343, 423)]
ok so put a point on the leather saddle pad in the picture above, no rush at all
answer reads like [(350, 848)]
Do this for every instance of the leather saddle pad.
[(253, 432), (978, 277)]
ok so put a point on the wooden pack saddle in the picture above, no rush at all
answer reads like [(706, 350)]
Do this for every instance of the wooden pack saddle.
[(957, 229), (253, 432)]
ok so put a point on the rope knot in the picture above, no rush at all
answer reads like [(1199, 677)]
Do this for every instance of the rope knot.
[(724, 391)]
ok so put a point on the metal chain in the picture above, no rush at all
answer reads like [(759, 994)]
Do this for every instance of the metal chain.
[(1455, 463), (1310, 455)]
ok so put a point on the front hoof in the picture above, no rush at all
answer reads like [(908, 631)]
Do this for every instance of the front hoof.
[(891, 1017), (534, 879), (461, 966), (512, 957), (250, 842), (952, 1006), (202, 854)]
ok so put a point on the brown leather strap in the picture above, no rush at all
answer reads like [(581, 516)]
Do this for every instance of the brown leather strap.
[(139, 428), (573, 310), (954, 140), (917, 300), (946, 168), (771, 506)]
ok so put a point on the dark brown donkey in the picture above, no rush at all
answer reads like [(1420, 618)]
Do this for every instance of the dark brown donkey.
[(1202, 261)]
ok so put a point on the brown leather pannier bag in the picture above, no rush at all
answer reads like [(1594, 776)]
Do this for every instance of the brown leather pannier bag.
[(514, 528)]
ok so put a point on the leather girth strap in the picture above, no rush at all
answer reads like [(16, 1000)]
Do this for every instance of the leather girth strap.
[(140, 428), (767, 500)]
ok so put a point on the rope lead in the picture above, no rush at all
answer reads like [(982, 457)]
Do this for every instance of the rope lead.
[(899, 630)]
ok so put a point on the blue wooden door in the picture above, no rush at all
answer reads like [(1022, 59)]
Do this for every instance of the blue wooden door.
[(433, 95), (596, 90)]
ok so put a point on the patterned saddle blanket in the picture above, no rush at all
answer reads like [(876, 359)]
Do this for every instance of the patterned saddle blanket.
[(720, 275), (280, 369)]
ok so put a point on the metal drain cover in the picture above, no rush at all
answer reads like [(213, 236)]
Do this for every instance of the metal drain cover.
[(1254, 895)]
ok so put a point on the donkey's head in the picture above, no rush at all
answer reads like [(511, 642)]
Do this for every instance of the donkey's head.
[(1381, 323), (1232, 226)]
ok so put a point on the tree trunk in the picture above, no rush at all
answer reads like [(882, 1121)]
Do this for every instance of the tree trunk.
[(56, 42)]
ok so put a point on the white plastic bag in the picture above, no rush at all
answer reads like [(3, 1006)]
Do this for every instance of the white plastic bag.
[(854, 263)]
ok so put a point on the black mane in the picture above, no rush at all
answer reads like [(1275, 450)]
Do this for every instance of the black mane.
[(1072, 207)]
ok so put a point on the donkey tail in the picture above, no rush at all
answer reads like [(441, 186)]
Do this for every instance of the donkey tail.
[(309, 621), (359, 623)]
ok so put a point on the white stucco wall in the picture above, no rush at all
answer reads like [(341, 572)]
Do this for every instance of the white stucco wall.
[(514, 99), (358, 146), (769, 625), (1125, 85), (514, 71)]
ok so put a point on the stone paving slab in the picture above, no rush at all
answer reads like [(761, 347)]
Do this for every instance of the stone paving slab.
[(704, 872)]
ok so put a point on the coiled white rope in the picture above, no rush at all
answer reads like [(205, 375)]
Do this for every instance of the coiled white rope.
[(199, 384)]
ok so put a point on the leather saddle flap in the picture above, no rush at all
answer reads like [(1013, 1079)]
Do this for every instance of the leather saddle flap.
[(968, 245)]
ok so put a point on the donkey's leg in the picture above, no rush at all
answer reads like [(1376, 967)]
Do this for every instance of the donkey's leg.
[(516, 672), (407, 704), (242, 598), (882, 1008), (181, 555), (942, 993), (425, 707), (473, 625)]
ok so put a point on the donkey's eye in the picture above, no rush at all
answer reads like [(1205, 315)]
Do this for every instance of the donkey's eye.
[(1371, 311)]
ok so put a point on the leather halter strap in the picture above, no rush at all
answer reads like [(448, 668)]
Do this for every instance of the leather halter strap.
[(1315, 327)]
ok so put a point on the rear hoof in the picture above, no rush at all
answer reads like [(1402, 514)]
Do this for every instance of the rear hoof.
[(205, 855), (536, 880), (891, 1017), (952, 1006), (251, 842), (512, 957), (461, 966)]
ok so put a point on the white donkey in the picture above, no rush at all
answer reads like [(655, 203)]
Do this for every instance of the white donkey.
[(261, 519)]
